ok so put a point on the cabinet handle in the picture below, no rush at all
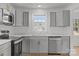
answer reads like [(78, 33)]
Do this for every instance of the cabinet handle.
[(38, 42)]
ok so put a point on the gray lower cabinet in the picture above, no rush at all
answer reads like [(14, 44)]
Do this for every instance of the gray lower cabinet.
[(34, 46), (43, 45), (53, 44), (6, 52), (26, 45), (5, 49), (59, 44), (39, 45), (65, 44)]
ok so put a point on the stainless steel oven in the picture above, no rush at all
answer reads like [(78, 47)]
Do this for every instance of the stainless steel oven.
[(16, 47)]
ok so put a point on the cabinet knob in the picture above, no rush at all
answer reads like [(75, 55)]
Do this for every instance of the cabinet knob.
[(2, 54), (38, 42)]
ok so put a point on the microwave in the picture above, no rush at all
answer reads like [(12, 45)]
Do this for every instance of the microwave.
[(8, 19)]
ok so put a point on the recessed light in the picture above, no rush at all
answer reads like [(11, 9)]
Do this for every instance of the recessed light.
[(39, 5)]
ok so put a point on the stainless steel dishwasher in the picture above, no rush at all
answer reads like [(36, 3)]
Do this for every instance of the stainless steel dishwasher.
[(59, 45), (54, 45)]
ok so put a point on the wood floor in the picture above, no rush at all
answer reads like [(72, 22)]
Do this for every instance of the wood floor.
[(76, 53), (76, 48), (45, 54)]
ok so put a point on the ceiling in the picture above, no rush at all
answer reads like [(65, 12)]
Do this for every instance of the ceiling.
[(41, 5)]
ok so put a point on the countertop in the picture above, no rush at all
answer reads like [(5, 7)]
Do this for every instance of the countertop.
[(20, 35), (4, 41)]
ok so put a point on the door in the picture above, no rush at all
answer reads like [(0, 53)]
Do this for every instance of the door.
[(7, 52), (59, 18), (34, 46), (44, 47), (26, 46), (52, 19), (39, 45), (63, 18), (65, 44), (26, 19), (66, 18)]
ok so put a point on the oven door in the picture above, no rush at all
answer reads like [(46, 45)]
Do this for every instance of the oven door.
[(17, 50)]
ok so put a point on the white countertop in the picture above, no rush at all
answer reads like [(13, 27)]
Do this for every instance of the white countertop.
[(37, 35), (20, 35), (4, 41)]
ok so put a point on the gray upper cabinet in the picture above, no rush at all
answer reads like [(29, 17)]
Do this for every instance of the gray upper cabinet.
[(63, 18), (22, 18), (59, 18), (66, 18), (52, 19), (18, 21), (26, 19)]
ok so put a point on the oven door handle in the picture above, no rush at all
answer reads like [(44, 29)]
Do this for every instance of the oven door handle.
[(18, 41)]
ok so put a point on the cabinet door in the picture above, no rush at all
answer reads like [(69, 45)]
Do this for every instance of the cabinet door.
[(34, 46), (66, 18), (63, 18), (19, 17), (44, 45), (26, 19), (0, 16), (26, 45), (65, 44), (22, 18), (6, 52), (59, 18), (52, 19)]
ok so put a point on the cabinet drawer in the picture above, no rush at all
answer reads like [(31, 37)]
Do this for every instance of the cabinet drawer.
[(5, 46)]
